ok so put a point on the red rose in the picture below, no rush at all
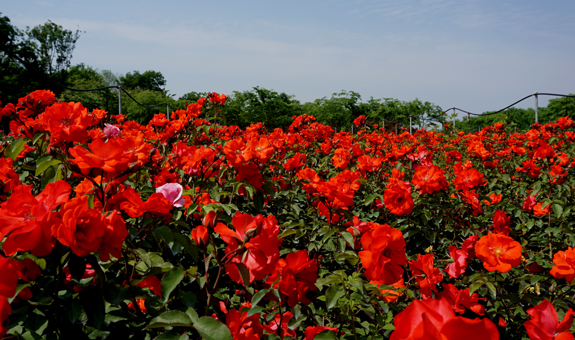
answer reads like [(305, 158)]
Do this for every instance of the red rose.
[(80, 227)]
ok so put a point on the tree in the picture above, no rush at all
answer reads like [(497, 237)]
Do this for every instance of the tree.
[(45, 51), (273, 109), (342, 108), (423, 114), (339, 111), (53, 46), (559, 107), (16, 80), (192, 97), (141, 114), (110, 78), (85, 77), (149, 80)]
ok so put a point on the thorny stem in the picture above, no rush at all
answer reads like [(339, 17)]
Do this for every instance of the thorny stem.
[(350, 313), (208, 292)]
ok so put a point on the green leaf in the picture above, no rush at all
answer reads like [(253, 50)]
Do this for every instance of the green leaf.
[(369, 199), (332, 295), (40, 168), (93, 303), (492, 289), (73, 310), (259, 201), (348, 237), (389, 327), (211, 329), (536, 278), (17, 146), (192, 314), (350, 256), (38, 136), (255, 310), (244, 273), (566, 212), (168, 336), (536, 188), (171, 318), (50, 176), (258, 296), (185, 242), (558, 210), (166, 233), (97, 334), (286, 233), (170, 280), (326, 335), (474, 286), (189, 299)]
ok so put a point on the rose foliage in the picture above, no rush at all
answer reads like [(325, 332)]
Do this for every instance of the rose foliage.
[(184, 228)]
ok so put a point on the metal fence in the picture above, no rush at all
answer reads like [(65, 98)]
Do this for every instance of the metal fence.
[(118, 87), (383, 121)]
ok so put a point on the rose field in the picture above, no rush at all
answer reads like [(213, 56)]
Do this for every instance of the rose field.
[(188, 229)]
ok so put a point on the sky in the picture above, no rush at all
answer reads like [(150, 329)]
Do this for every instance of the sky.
[(475, 55)]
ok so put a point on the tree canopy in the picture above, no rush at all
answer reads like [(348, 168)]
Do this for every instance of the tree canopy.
[(48, 48), (149, 80), (273, 109), (44, 49)]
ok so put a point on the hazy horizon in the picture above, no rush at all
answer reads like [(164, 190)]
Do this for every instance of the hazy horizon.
[(475, 55)]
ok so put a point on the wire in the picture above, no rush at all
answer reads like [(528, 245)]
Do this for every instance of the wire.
[(134, 99), (148, 106), (73, 89), (517, 102)]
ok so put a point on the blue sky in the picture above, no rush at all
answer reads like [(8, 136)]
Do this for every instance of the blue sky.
[(475, 55)]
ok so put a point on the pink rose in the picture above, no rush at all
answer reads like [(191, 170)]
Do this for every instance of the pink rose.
[(173, 193), (111, 131)]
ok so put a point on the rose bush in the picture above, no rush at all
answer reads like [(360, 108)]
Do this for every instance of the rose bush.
[(184, 228)]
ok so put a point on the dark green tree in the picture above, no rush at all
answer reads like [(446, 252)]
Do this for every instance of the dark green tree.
[(142, 114), (192, 97), (45, 49), (53, 46), (85, 77), (557, 108), (15, 79), (424, 114), (273, 109), (149, 80), (339, 111)]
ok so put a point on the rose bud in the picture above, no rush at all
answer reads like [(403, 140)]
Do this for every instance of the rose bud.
[(200, 236), (210, 219)]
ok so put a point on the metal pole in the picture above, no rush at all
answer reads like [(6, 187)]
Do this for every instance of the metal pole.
[(168, 110), (396, 124), (383, 124), (410, 130), (119, 100), (536, 109)]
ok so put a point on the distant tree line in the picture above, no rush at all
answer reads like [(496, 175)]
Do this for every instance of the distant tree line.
[(520, 118), (48, 49)]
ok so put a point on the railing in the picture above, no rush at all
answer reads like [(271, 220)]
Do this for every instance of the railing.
[(120, 90), (118, 87), (536, 95)]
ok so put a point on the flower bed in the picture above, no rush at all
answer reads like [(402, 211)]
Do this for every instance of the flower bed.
[(185, 229)]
